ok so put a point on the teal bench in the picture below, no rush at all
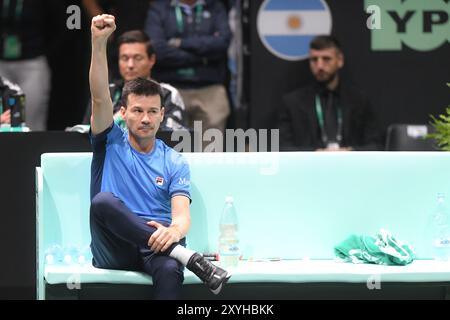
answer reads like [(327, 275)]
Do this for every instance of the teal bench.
[(293, 208)]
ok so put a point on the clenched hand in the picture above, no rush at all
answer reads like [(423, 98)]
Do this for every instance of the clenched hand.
[(163, 237), (102, 26)]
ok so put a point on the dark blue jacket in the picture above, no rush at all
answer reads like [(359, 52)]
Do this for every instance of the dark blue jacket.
[(202, 56)]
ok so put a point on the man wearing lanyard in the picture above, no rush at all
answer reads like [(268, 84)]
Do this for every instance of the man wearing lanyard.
[(329, 115), (136, 60), (191, 39)]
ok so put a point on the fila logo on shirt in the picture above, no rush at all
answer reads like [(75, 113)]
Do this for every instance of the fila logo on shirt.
[(286, 27), (159, 181)]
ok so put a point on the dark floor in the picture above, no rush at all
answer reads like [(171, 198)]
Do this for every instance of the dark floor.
[(263, 291)]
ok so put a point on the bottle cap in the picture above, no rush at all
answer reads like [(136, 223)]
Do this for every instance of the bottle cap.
[(229, 199)]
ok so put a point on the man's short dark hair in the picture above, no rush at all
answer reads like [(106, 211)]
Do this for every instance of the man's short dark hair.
[(136, 36), (325, 42), (141, 87)]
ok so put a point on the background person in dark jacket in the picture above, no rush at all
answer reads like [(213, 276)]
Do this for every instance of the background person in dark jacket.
[(191, 39), (136, 60), (329, 115)]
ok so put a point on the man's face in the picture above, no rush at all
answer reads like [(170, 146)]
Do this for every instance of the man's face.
[(325, 64), (143, 115), (134, 61)]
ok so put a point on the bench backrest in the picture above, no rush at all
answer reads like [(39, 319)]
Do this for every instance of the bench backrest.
[(290, 205)]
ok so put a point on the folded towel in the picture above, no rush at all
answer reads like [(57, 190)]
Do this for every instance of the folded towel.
[(383, 249)]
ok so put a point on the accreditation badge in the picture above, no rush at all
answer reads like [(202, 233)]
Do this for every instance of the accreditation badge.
[(186, 72), (12, 47)]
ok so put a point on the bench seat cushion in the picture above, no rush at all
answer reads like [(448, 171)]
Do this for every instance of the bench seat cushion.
[(293, 271)]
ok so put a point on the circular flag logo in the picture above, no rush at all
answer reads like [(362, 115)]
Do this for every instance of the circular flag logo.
[(286, 27)]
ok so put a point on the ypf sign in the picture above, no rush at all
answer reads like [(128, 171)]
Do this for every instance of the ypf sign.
[(418, 24)]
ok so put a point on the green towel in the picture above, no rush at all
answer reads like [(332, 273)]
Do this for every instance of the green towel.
[(383, 249)]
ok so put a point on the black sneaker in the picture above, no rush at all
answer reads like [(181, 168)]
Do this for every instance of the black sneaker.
[(213, 276)]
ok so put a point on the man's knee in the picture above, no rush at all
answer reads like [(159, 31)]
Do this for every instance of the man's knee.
[(102, 203)]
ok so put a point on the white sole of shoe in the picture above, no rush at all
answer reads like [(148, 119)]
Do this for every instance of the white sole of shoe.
[(219, 288)]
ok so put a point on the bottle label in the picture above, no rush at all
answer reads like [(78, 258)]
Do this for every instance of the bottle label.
[(442, 242), (229, 254), (229, 249)]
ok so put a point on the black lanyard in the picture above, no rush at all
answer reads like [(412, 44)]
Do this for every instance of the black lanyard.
[(18, 9), (321, 121), (179, 16)]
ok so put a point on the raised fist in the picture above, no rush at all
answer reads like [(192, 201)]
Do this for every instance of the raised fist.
[(103, 26)]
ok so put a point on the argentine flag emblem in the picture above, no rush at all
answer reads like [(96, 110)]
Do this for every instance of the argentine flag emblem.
[(286, 27)]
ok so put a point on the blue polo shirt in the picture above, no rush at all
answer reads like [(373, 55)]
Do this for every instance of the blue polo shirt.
[(144, 182)]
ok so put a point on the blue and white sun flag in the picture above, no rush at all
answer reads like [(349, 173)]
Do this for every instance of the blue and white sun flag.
[(286, 27)]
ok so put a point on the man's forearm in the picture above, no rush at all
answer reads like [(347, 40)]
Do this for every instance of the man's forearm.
[(98, 74), (181, 224), (102, 110)]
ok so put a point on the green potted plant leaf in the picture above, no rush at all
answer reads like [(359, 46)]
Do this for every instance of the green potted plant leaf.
[(441, 125)]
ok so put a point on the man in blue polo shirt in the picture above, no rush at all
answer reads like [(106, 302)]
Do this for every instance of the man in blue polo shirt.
[(139, 186)]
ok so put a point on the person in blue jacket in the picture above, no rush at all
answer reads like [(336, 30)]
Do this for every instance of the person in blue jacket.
[(191, 38)]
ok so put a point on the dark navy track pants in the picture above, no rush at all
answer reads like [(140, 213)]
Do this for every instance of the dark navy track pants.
[(120, 241)]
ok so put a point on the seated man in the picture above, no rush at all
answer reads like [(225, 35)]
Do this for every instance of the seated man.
[(140, 190), (136, 60), (328, 115)]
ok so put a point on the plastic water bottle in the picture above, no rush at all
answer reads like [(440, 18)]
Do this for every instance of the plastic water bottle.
[(228, 239), (439, 230)]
